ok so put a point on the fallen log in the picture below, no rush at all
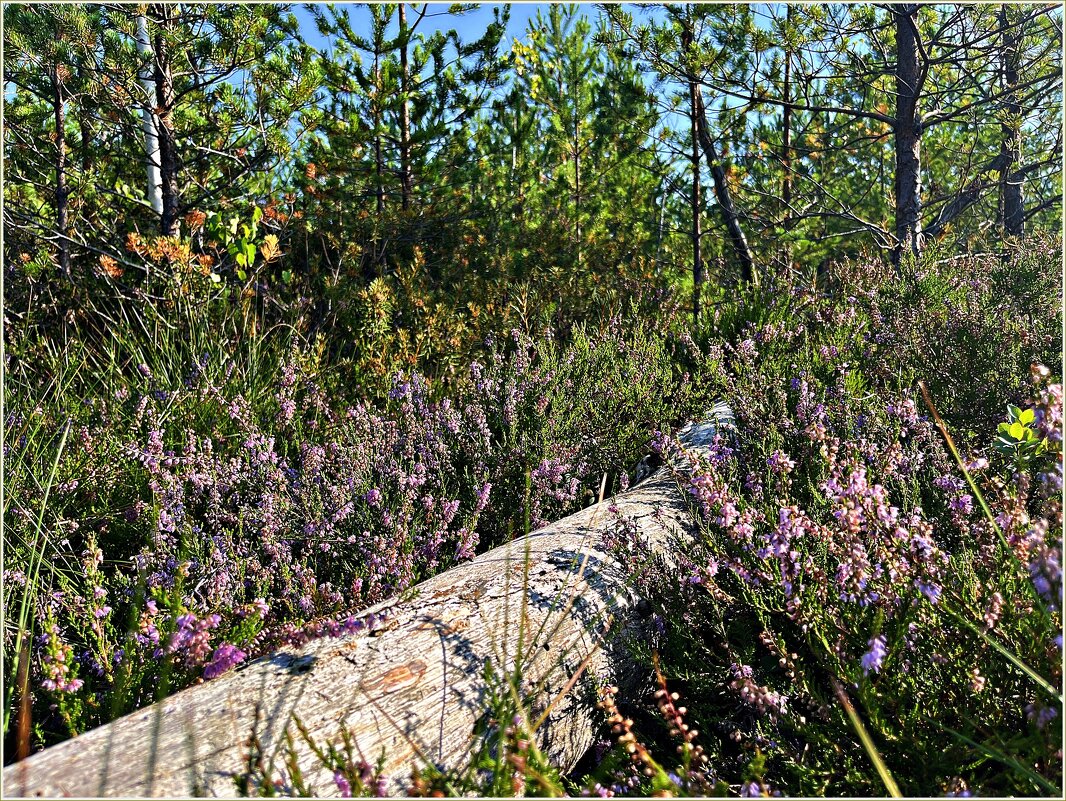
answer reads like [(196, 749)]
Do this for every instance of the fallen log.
[(413, 686)]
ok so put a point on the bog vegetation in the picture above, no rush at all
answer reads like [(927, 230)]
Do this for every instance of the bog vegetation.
[(302, 309)]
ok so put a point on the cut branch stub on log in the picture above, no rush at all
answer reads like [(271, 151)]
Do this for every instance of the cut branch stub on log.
[(413, 688)]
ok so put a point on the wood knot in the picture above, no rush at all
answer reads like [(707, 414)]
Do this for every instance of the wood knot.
[(394, 678)]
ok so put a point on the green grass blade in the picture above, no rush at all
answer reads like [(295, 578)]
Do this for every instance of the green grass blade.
[(867, 742)]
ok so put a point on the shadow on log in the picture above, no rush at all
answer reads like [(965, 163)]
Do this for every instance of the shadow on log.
[(413, 688)]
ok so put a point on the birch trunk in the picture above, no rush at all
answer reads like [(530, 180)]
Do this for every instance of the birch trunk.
[(59, 107), (168, 145), (148, 121)]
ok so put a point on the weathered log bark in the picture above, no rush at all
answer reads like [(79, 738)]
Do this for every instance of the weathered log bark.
[(418, 679)]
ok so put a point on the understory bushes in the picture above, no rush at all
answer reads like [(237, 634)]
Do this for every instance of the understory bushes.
[(171, 513)]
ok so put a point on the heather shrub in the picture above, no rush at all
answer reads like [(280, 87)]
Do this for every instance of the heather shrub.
[(844, 563), (969, 325), (202, 518)]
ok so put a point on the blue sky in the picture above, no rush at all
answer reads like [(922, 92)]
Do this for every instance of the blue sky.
[(470, 26)]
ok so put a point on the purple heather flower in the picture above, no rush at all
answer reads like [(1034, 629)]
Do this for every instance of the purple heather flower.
[(875, 657), (930, 591), (1040, 715), (963, 504), (343, 785)]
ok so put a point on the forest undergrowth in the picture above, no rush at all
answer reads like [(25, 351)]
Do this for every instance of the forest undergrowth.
[(871, 606)]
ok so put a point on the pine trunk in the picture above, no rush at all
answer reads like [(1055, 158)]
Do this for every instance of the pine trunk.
[(786, 124), (577, 189), (697, 233), (723, 194), (405, 116), (908, 136), (1012, 202), (59, 106)]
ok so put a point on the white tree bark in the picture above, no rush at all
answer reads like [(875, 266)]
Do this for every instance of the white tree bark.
[(413, 687), (148, 122)]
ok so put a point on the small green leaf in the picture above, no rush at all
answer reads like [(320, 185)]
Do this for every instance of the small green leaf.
[(1013, 413), (242, 275), (1004, 428), (1017, 430), (249, 253), (1027, 417)]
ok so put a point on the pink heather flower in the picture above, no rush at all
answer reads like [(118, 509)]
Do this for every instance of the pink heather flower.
[(875, 657), (226, 656), (191, 638), (763, 699), (780, 463), (995, 608), (483, 496), (747, 350)]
